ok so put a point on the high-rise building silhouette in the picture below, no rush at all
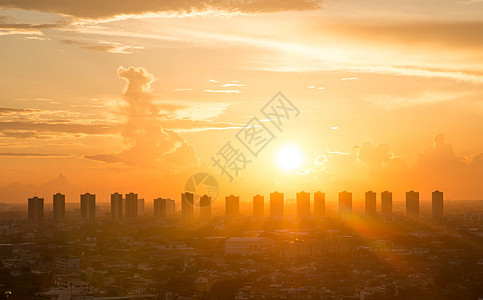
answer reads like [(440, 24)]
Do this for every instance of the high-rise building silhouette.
[(36, 209), (386, 203), (232, 205), (116, 206), (319, 204), (276, 205), (412, 204), (437, 204), (303, 205), (140, 207), (170, 206), (370, 203), (131, 206), (88, 206), (187, 206), (59, 207), (258, 206), (160, 208), (205, 207), (345, 203)]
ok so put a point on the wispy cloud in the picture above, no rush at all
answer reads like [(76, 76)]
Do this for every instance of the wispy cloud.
[(27, 154), (181, 90), (232, 84), (8, 27), (318, 165), (110, 9), (223, 91), (105, 46)]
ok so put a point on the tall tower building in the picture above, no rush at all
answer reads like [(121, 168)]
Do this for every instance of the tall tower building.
[(345, 203), (319, 204), (303, 205), (170, 206), (116, 206), (232, 205), (131, 206), (36, 210), (59, 207), (205, 207), (160, 208), (276, 205), (412, 204), (258, 206), (370, 203), (140, 207), (187, 206), (386, 203), (88, 206), (437, 204)]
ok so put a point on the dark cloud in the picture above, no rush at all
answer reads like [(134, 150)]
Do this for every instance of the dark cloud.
[(10, 126), (10, 110), (107, 158), (93, 9), (27, 154), (20, 134), (25, 26), (71, 42), (8, 26)]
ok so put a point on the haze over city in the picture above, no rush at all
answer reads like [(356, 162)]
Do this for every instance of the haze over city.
[(252, 149)]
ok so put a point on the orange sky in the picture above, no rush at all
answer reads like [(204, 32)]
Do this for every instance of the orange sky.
[(139, 96)]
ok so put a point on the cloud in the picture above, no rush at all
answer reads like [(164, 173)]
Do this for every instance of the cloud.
[(25, 123), (105, 46), (20, 134), (13, 110), (27, 154), (437, 167), (318, 165), (448, 34), (8, 28), (470, 2), (149, 144), (56, 127), (223, 91), (441, 167), (182, 89), (19, 193), (231, 84), (92, 9)]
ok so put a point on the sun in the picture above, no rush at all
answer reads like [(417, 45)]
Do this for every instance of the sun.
[(289, 158)]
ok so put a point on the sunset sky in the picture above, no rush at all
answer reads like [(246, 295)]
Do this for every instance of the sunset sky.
[(139, 95)]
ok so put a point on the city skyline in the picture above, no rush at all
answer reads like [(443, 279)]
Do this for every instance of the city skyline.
[(126, 209)]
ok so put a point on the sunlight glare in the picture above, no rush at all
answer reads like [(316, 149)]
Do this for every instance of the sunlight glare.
[(289, 158)]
